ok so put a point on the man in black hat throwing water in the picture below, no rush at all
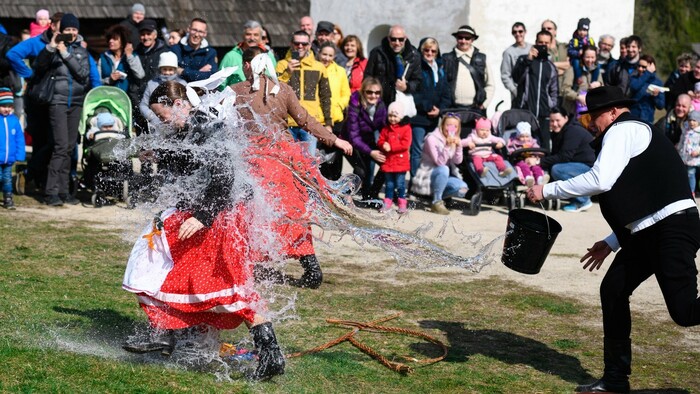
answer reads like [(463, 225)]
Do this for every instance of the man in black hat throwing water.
[(644, 197), (467, 72)]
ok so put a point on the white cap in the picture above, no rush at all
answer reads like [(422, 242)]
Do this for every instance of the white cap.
[(167, 59), (523, 128)]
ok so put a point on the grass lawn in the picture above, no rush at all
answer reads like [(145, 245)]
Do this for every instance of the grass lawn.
[(64, 317)]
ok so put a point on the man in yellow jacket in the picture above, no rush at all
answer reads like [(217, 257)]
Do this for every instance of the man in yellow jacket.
[(307, 77)]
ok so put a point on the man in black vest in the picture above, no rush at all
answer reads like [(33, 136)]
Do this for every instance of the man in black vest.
[(644, 196), (467, 72)]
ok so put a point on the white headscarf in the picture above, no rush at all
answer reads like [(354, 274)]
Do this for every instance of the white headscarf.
[(259, 65), (208, 84)]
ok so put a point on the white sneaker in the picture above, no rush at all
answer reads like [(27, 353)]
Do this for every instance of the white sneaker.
[(540, 180), (529, 181)]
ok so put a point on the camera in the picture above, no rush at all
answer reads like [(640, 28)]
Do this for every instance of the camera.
[(67, 38), (542, 53)]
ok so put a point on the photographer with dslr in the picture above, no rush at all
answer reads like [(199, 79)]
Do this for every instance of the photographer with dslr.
[(538, 86), (61, 72)]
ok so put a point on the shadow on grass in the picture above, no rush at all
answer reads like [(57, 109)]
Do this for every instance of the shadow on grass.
[(107, 324), (507, 348)]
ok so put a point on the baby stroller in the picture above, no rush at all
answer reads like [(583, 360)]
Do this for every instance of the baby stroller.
[(491, 186), (103, 173), (507, 129)]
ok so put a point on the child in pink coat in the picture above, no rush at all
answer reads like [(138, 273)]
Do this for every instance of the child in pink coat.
[(42, 22), (395, 141), (481, 143)]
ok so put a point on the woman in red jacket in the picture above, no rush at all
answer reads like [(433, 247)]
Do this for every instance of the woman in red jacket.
[(355, 67), (394, 141)]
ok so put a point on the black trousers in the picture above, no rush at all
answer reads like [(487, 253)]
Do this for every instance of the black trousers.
[(64, 130), (39, 127), (667, 250), (544, 137), (363, 168)]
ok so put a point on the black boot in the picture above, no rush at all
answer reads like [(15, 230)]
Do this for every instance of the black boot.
[(8, 203), (267, 274), (312, 276), (617, 355), (270, 358), (158, 341)]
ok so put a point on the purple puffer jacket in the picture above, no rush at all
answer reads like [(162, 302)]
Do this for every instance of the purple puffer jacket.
[(359, 128)]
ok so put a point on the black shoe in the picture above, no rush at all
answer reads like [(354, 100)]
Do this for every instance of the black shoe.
[(53, 200), (271, 361), (69, 199), (163, 341), (601, 386), (267, 274), (312, 276), (8, 203)]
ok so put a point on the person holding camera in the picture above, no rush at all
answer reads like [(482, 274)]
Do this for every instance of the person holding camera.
[(67, 63), (307, 77), (538, 84)]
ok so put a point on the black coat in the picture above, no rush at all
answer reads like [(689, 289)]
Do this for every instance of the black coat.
[(431, 94), (149, 61), (72, 73), (382, 65), (571, 144)]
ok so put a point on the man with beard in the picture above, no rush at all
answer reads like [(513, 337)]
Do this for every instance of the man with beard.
[(148, 50), (686, 83), (606, 43), (396, 64), (252, 37)]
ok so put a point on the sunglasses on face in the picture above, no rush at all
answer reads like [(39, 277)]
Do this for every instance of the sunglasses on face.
[(397, 39), (373, 92), (452, 115), (428, 50), (300, 44), (466, 38), (518, 31)]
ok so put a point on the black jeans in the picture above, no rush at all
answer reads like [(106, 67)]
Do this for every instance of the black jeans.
[(64, 127), (363, 168), (667, 249), (39, 127)]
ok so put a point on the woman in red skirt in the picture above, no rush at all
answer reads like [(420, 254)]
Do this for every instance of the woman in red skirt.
[(192, 266)]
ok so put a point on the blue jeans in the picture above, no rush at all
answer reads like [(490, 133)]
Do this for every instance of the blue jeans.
[(443, 185), (565, 171), (6, 173), (301, 135), (395, 180), (416, 147), (691, 178)]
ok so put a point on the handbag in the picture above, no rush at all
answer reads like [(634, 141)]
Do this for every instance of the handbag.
[(41, 91), (409, 105)]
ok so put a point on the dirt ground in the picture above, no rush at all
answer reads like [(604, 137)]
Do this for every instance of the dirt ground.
[(561, 274)]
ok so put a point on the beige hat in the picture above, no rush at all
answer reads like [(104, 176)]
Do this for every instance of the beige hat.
[(167, 59)]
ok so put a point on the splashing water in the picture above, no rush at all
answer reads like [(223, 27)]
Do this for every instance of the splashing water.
[(230, 142)]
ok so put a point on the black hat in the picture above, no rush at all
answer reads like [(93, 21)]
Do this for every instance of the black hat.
[(69, 20), (148, 24), (606, 97), (464, 30), (325, 26), (584, 23)]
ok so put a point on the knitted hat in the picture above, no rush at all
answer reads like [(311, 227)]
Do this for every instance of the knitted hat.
[(6, 97), (138, 7), (42, 14), (167, 59), (694, 115), (105, 119), (69, 20), (584, 23), (397, 109), (523, 128), (483, 123)]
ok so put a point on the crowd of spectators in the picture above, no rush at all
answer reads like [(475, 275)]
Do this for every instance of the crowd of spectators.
[(345, 88)]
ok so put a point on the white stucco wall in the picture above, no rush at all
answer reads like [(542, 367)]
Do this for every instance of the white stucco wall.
[(492, 20)]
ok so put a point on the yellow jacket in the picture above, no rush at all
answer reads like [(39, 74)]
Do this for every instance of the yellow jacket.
[(316, 97), (340, 91)]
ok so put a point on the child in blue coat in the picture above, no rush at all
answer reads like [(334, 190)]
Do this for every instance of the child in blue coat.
[(11, 144)]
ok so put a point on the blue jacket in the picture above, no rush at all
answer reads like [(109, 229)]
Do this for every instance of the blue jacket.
[(29, 49), (191, 60), (11, 140), (431, 94), (644, 108)]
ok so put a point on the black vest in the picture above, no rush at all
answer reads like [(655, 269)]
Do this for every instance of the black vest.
[(650, 181), (477, 69)]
